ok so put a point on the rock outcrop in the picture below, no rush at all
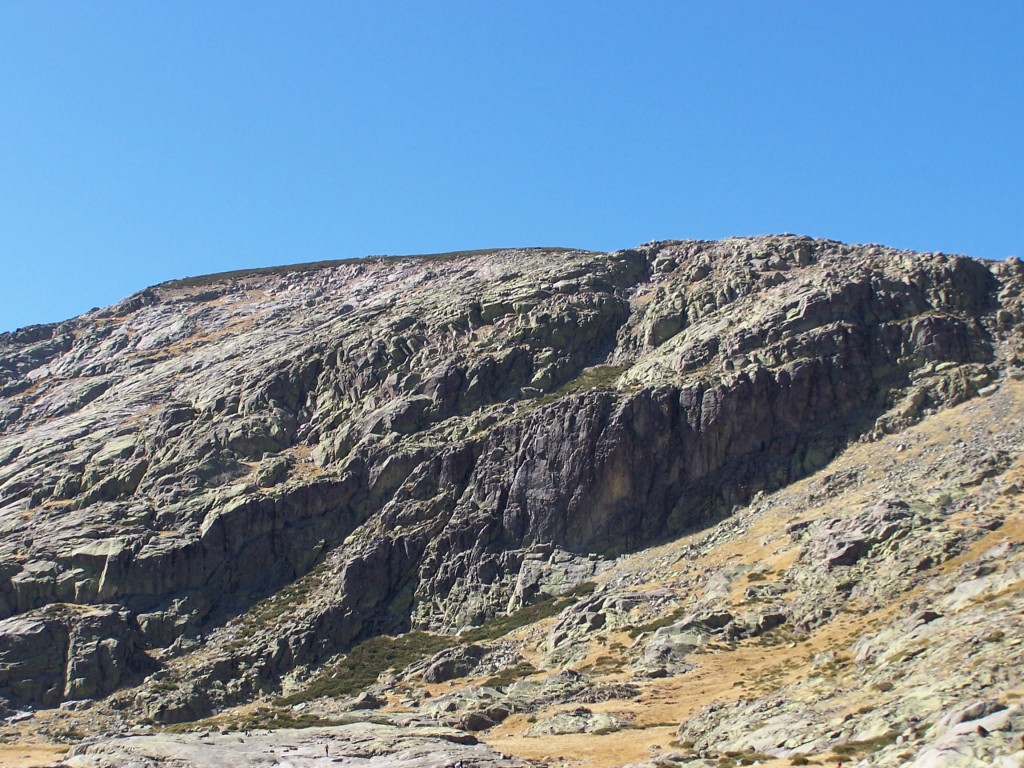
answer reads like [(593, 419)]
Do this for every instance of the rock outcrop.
[(222, 483), (68, 652), (368, 745)]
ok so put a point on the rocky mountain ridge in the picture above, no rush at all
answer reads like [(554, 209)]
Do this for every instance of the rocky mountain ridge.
[(219, 490)]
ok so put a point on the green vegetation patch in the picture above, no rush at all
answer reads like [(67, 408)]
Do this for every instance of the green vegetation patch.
[(283, 601), (731, 759), (361, 667), (852, 749), (665, 621), (599, 376), (499, 626), (606, 665), (264, 718), (510, 675)]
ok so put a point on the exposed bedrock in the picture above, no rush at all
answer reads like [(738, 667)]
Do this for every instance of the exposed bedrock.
[(387, 444), (68, 652)]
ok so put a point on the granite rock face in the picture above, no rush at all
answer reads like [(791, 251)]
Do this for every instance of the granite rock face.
[(283, 463), (367, 745), (58, 653)]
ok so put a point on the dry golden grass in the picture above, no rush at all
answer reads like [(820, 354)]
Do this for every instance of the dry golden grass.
[(31, 755), (595, 751)]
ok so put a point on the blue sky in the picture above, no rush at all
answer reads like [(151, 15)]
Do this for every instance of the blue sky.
[(141, 142)]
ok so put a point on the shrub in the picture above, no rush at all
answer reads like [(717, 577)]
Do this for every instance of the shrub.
[(667, 620), (499, 626), (600, 376), (864, 746), (362, 665), (510, 675), (360, 668)]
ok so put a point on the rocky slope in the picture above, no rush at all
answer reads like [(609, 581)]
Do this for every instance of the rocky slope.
[(758, 491)]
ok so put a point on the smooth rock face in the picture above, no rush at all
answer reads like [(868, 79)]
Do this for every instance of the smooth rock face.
[(366, 745), (279, 465)]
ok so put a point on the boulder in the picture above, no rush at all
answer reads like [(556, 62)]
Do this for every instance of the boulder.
[(578, 720), (453, 663)]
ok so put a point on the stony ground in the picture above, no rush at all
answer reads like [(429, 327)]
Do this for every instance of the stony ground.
[(897, 656)]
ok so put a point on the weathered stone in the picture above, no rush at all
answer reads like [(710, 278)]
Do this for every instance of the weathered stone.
[(67, 652), (371, 745), (844, 541), (293, 461), (579, 720), (367, 700), (453, 663)]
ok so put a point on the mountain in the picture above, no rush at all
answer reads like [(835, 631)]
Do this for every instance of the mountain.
[(690, 503)]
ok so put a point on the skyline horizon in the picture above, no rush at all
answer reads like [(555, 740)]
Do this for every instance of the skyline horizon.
[(144, 143), (327, 263)]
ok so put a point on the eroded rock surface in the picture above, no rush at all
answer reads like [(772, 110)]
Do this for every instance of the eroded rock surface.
[(367, 745), (213, 491)]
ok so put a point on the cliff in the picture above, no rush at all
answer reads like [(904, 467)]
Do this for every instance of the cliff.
[(213, 491)]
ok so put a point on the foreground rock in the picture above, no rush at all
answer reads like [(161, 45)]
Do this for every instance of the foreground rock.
[(366, 745)]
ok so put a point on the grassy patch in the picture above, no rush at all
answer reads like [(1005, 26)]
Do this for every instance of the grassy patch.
[(606, 665), (499, 626), (851, 749), (613, 729), (69, 733), (269, 718), (286, 719), (600, 376), (733, 758), (362, 665), (667, 620), (834, 666), (281, 602), (780, 635), (269, 610), (754, 758)]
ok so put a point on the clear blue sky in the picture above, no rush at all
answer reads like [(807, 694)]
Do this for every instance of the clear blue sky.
[(144, 141)]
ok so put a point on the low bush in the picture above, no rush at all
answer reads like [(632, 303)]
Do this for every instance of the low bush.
[(510, 675)]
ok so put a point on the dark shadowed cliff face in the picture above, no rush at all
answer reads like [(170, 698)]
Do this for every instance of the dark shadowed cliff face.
[(427, 442)]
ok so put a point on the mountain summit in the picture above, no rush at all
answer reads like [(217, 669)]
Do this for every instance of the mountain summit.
[(690, 503)]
